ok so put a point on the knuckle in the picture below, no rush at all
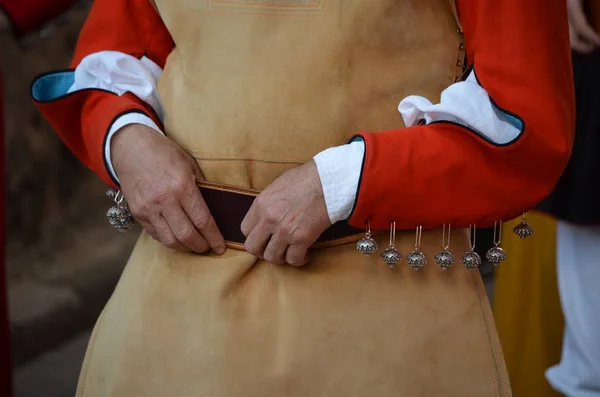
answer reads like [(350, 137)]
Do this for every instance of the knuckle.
[(159, 197), (272, 257), (249, 249), (296, 262), (300, 237), (271, 214), (170, 242), (184, 234), (285, 231), (182, 183), (201, 220)]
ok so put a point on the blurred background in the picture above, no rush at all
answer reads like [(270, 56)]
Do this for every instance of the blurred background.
[(62, 257)]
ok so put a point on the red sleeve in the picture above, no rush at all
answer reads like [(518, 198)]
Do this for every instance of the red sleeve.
[(83, 118), (445, 173), (28, 15)]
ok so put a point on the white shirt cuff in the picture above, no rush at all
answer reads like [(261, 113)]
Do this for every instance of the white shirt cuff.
[(339, 169), (126, 119)]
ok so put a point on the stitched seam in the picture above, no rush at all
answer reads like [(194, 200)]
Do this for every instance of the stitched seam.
[(225, 188), (239, 156), (250, 161), (323, 244)]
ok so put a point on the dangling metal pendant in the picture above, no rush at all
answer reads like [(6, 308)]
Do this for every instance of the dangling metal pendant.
[(367, 245), (416, 259), (471, 259), (444, 258), (119, 216), (523, 229), (391, 256), (496, 255)]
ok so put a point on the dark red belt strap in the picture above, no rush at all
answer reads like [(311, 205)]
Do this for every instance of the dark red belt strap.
[(229, 205)]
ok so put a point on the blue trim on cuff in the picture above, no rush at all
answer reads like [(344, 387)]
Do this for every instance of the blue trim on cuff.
[(52, 86)]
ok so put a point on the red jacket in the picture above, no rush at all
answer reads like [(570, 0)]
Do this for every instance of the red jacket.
[(522, 59), (25, 16)]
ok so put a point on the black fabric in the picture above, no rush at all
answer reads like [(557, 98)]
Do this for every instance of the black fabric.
[(576, 197)]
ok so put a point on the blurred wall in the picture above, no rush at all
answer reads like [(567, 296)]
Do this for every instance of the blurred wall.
[(63, 258)]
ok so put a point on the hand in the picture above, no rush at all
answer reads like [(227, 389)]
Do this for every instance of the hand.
[(583, 37), (159, 181), (287, 217)]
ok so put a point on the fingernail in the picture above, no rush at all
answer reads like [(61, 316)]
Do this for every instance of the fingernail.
[(220, 250)]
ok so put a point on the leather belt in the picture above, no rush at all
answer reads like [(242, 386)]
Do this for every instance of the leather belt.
[(229, 205)]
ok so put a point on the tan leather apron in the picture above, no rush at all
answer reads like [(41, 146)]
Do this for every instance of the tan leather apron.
[(253, 88)]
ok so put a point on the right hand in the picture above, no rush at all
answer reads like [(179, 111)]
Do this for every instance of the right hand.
[(159, 181), (583, 37)]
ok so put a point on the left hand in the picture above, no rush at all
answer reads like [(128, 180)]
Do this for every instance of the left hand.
[(287, 217)]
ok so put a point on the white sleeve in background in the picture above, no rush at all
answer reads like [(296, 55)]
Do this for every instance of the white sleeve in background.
[(465, 103), (119, 73)]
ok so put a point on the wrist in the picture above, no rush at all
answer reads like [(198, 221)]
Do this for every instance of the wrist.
[(127, 137)]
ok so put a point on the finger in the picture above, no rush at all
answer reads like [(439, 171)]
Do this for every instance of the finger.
[(166, 236), (183, 229), (581, 25), (276, 249), (296, 255), (250, 220), (257, 241), (149, 229), (197, 211)]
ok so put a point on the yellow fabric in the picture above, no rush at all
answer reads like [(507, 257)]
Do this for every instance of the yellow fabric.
[(345, 325), (254, 88), (269, 84), (527, 306)]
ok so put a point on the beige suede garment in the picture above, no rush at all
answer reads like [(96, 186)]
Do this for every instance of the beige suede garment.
[(253, 88)]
